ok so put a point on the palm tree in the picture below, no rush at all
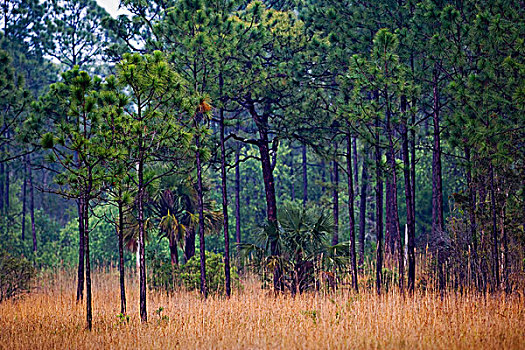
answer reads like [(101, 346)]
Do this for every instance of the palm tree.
[(302, 237)]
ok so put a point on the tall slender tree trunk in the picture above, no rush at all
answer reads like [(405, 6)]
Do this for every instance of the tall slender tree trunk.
[(305, 176), (24, 200), (263, 143), (89, 306), (408, 200), (31, 203), (472, 221), (292, 176), (354, 160), (394, 219), (437, 187), (351, 222), (142, 235), (506, 265), (237, 197), (389, 230), (335, 195), (81, 250), (120, 233), (200, 204), (2, 173), (362, 208), (7, 189), (379, 208), (224, 198), (495, 244)]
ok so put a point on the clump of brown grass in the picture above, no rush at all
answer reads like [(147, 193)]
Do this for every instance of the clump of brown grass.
[(253, 318)]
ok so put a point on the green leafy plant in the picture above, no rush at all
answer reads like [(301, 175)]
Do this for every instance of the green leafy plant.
[(215, 280), (123, 318)]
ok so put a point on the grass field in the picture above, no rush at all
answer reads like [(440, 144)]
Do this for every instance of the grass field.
[(49, 318)]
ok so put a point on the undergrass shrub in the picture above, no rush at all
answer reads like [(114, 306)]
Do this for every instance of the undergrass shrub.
[(16, 276)]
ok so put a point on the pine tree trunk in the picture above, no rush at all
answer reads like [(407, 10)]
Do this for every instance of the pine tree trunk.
[(24, 200), (495, 244), (305, 176), (437, 187), (389, 231), (472, 221), (89, 306), (120, 232), (142, 236), (354, 160), (269, 185), (2, 172), (362, 209), (394, 218), (408, 200), (7, 190), (335, 196), (200, 204), (292, 176), (237, 197), (31, 203), (506, 265), (81, 250), (351, 222), (379, 209), (224, 199)]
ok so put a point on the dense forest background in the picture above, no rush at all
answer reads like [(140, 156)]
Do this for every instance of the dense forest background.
[(393, 129)]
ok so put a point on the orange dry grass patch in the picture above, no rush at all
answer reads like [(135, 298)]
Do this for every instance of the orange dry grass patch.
[(253, 318)]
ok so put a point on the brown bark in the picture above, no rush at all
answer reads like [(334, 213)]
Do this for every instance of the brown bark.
[(335, 196), (472, 220), (142, 236), (7, 190), (189, 244), (351, 212), (354, 160), (120, 233), (362, 208), (237, 197), (2, 172), (24, 200), (224, 200), (200, 205), (495, 248), (174, 253), (305, 176), (437, 186), (89, 306), (262, 123), (409, 205), (81, 252), (394, 219), (379, 209), (31, 204)]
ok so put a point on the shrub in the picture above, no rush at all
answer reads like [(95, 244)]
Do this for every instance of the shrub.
[(215, 280), (16, 275), (164, 276)]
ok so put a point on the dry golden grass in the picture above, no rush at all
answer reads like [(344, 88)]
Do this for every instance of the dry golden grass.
[(49, 318)]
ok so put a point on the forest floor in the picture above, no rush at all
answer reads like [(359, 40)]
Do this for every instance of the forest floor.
[(49, 318)]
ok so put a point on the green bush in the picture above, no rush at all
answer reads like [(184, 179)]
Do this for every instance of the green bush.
[(16, 275), (164, 276)]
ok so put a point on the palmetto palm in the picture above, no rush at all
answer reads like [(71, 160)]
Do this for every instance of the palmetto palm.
[(303, 245), (175, 210)]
